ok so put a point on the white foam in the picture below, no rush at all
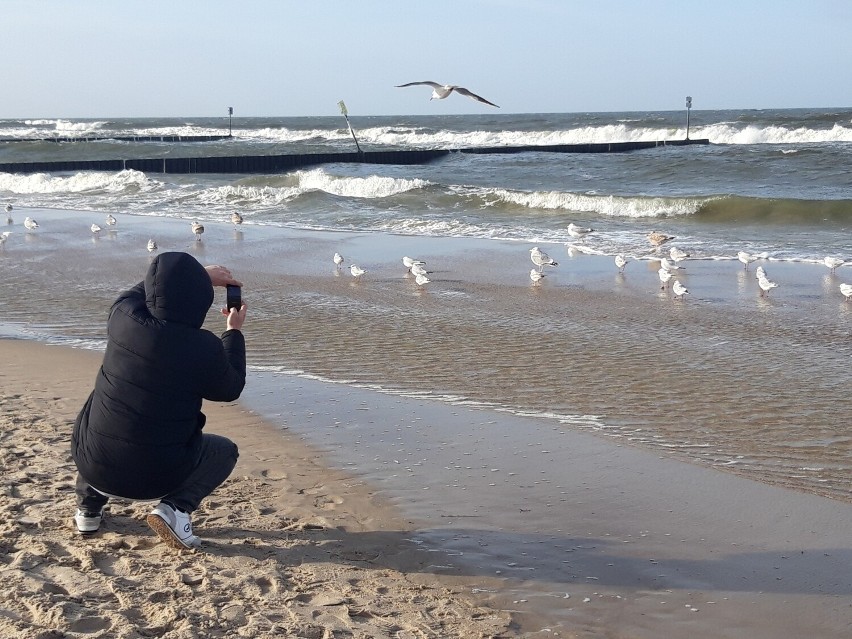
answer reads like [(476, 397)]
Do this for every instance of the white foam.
[(591, 422), (86, 181), (373, 186), (726, 133), (610, 205), (395, 136)]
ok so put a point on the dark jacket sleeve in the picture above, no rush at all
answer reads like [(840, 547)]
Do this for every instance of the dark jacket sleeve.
[(137, 293), (228, 373)]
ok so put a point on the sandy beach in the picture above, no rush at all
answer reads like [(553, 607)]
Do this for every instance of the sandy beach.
[(292, 549), (650, 546)]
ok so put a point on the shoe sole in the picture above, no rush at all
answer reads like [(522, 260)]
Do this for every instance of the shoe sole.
[(164, 532)]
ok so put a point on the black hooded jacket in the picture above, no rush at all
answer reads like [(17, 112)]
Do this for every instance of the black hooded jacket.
[(139, 433)]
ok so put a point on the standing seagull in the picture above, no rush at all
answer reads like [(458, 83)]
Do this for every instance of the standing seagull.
[(356, 271), (417, 269), (541, 259), (678, 255), (338, 260), (669, 266), (5, 236), (30, 224), (110, 220), (765, 285), (657, 239), (441, 91), (579, 232), (846, 289), (198, 229), (679, 290), (408, 262), (665, 276), (833, 262), (152, 246), (421, 280), (236, 218), (95, 229), (8, 209), (620, 262), (745, 258)]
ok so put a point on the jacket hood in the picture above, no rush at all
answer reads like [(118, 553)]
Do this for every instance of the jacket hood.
[(178, 289)]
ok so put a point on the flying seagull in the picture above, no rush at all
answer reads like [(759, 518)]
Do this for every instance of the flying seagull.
[(441, 91)]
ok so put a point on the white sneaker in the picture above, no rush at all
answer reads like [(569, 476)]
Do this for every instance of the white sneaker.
[(173, 527), (88, 522)]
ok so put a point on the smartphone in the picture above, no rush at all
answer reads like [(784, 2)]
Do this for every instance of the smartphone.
[(234, 297)]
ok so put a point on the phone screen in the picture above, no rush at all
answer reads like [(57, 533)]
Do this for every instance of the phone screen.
[(234, 297)]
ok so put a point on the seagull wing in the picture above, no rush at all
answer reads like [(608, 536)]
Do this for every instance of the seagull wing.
[(434, 85), (478, 98)]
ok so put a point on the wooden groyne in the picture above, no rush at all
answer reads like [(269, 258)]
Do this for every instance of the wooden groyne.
[(123, 138), (285, 163)]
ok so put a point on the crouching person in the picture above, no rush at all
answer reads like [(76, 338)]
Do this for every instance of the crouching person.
[(140, 435)]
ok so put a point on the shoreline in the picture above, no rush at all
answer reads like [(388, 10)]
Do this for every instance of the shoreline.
[(613, 347)]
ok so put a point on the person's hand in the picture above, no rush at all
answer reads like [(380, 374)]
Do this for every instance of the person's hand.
[(236, 317), (221, 276)]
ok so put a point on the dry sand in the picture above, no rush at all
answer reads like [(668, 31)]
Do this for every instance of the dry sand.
[(292, 549)]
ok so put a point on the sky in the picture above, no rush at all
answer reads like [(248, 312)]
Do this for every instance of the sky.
[(157, 58)]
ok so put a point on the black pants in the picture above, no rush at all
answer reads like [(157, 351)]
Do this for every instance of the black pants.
[(217, 460)]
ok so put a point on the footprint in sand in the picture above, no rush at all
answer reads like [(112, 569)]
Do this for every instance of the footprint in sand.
[(113, 566), (274, 475), (327, 502), (89, 625)]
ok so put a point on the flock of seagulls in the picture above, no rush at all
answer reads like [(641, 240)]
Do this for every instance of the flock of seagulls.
[(416, 267), (667, 269), (669, 266), (30, 225)]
